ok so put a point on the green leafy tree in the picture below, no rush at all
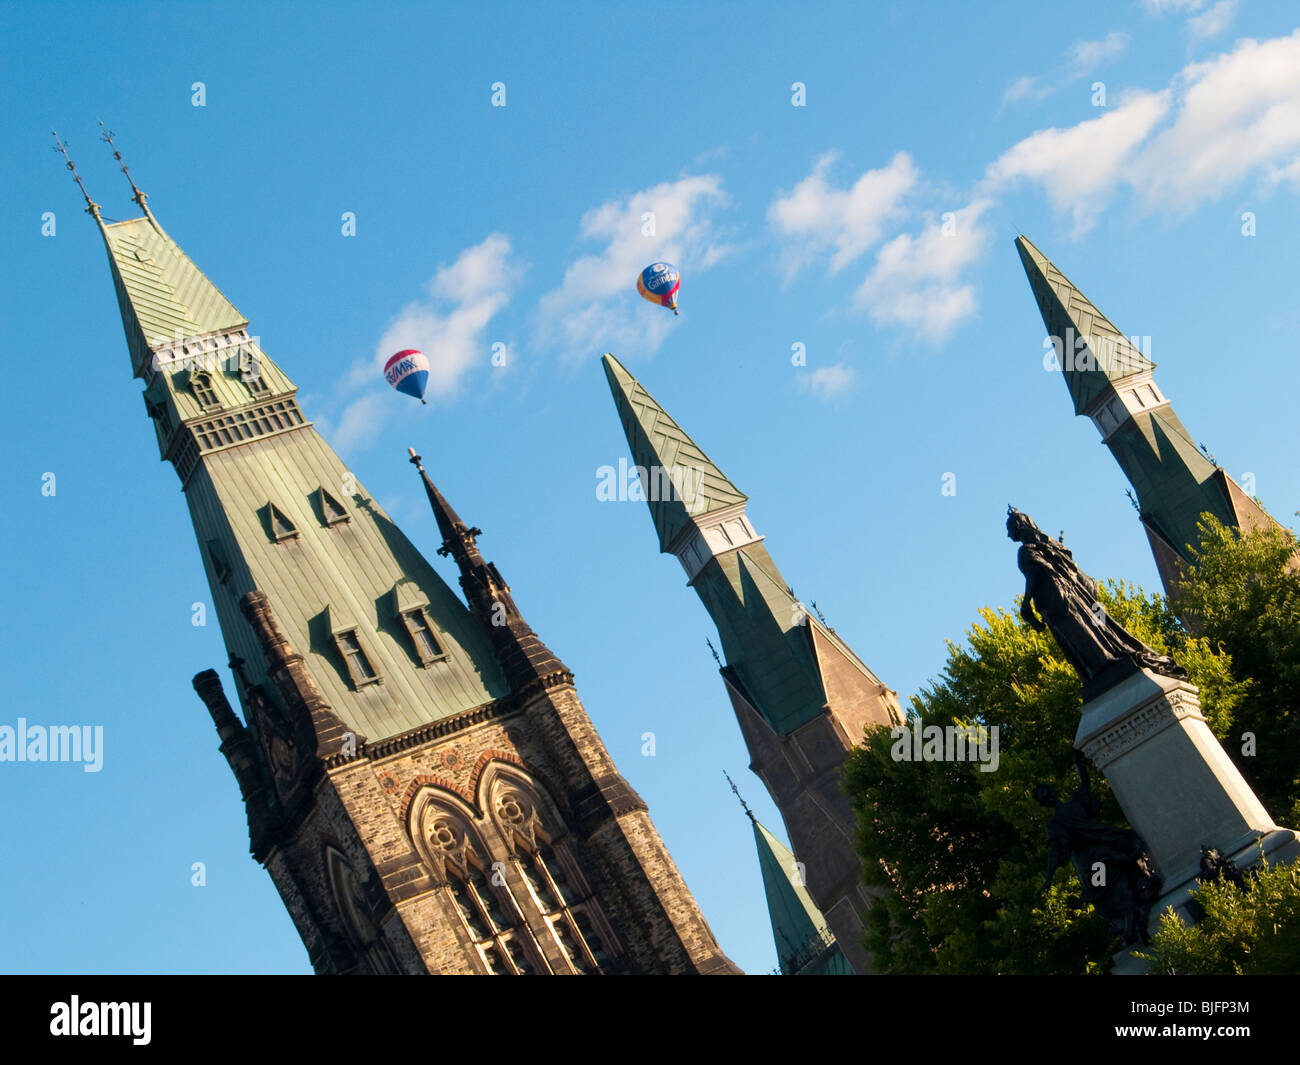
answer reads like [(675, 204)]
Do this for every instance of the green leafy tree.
[(958, 854), (1242, 593), (1243, 932)]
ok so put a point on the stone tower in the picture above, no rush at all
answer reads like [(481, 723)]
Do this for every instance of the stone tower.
[(1112, 381), (420, 778), (801, 696)]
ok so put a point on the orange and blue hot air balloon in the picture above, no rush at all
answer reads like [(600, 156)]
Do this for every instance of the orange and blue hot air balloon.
[(408, 371), (659, 283)]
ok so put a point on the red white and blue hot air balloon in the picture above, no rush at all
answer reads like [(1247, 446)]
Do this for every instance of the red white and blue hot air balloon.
[(408, 371), (659, 283)]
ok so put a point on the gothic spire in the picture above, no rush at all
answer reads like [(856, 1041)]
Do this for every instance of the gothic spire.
[(681, 482), (523, 657), (1093, 353), (804, 945), (458, 539), (1113, 383)]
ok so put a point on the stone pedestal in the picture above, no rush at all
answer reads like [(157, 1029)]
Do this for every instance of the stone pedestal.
[(1175, 783)]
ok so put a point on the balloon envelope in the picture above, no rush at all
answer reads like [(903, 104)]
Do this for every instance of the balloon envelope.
[(659, 283), (408, 372)]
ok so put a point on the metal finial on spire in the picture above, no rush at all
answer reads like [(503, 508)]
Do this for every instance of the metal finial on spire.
[(92, 208), (138, 196), (743, 804)]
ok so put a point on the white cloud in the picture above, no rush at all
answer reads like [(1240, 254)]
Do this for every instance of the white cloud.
[(917, 281), (1289, 174), (596, 308), (829, 382), (1212, 22), (1238, 113), (1081, 60), (1086, 55), (815, 217), (1220, 122), (447, 325), (1024, 88), (1080, 166)]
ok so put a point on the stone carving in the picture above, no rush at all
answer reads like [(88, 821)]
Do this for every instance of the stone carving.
[(1099, 648), (1115, 872)]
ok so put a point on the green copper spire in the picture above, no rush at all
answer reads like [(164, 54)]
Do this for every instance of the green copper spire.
[(276, 512), (1093, 353), (765, 631), (164, 298), (802, 698), (804, 945), (1113, 383), (681, 482)]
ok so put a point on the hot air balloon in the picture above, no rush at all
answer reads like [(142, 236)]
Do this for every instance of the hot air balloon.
[(408, 371), (659, 283)]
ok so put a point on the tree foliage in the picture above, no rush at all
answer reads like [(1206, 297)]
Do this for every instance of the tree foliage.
[(1243, 932), (958, 854), (1242, 593)]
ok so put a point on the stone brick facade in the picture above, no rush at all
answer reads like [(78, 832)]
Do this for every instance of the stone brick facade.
[(503, 839)]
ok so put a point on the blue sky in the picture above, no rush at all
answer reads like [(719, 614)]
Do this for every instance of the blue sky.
[(820, 225)]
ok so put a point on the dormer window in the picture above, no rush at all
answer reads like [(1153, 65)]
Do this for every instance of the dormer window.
[(280, 526), (409, 607), (426, 646), (355, 658), (201, 386), (332, 510), (250, 372), (220, 567)]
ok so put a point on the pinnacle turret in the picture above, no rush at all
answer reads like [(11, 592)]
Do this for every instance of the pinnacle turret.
[(524, 658)]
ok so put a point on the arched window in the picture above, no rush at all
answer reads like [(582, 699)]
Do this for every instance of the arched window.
[(201, 386), (479, 888), (531, 829), (366, 939)]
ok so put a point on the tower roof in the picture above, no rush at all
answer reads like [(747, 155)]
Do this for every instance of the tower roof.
[(658, 441), (161, 293), (803, 943), (1067, 312)]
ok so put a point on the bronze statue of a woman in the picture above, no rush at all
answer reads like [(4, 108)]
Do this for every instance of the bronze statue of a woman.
[(1092, 641)]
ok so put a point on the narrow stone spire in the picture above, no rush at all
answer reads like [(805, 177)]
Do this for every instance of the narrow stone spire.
[(802, 698), (1094, 354), (1113, 383), (458, 539), (682, 485), (524, 659)]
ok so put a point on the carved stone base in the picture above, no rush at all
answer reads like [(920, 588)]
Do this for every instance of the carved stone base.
[(1175, 782), (1176, 785)]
